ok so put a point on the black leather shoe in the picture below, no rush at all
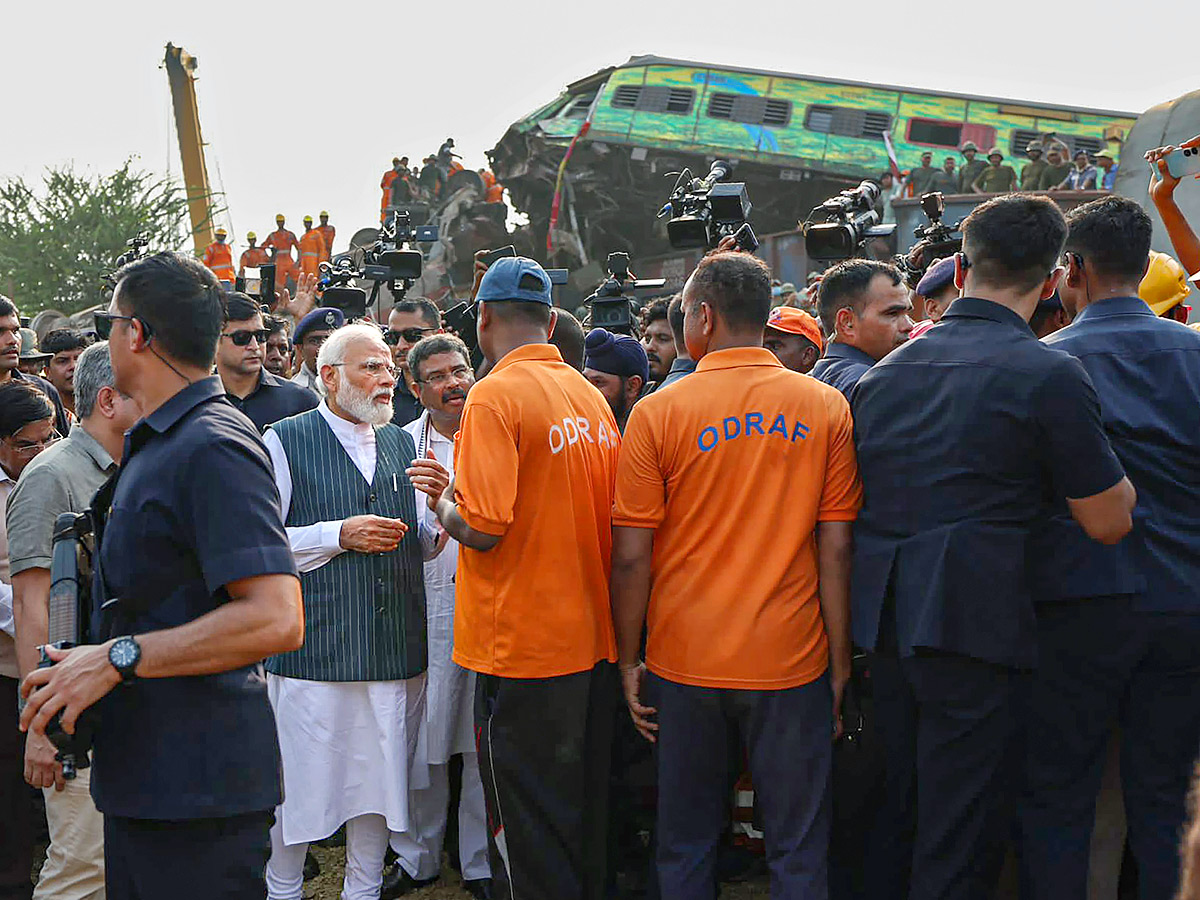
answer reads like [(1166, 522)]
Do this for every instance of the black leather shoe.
[(479, 888), (397, 883)]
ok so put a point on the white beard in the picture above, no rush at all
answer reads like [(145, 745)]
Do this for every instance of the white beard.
[(359, 404)]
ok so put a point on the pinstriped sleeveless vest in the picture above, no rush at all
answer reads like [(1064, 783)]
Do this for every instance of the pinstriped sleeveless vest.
[(364, 613)]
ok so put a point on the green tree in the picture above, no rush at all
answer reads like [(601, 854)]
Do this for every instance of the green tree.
[(57, 243)]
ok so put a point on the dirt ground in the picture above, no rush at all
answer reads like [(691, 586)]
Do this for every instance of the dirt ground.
[(328, 885)]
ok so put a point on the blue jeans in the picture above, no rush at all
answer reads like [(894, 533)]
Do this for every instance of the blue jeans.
[(788, 737)]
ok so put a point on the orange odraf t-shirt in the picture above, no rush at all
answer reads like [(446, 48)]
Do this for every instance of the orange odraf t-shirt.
[(734, 466), (536, 462)]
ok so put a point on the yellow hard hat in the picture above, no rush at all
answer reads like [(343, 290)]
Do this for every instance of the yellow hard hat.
[(323, 214), (308, 219), (1165, 284), (221, 232), (251, 236), (279, 218)]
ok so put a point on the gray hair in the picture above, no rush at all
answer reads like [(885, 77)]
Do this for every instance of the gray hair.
[(333, 351), (92, 372), (433, 345)]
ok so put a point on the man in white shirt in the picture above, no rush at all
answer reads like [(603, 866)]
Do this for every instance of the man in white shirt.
[(349, 703), (441, 369)]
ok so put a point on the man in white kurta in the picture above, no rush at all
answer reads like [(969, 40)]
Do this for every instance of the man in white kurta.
[(349, 704), (441, 366)]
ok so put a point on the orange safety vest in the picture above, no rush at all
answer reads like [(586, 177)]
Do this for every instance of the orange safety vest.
[(495, 192), (282, 241), (385, 185), (312, 251), (252, 258), (327, 233), (219, 258)]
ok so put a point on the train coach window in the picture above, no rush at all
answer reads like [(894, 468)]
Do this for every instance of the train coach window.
[(654, 98), (1022, 136), (578, 107), (749, 109), (848, 122), (931, 131)]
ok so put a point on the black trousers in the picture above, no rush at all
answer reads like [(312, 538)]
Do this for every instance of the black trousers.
[(545, 750), (16, 819), (188, 859), (951, 731), (788, 735), (1101, 663)]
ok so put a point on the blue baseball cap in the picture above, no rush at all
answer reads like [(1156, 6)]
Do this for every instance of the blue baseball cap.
[(515, 278)]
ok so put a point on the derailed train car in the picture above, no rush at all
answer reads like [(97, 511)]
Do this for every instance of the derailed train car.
[(794, 139)]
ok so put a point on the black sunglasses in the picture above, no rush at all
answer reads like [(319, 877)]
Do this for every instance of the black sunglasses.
[(410, 335), (104, 324), (243, 337)]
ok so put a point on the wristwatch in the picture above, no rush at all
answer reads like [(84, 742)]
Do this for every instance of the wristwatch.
[(125, 654)]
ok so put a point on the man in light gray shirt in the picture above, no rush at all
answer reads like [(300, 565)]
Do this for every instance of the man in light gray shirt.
[(64, 478)]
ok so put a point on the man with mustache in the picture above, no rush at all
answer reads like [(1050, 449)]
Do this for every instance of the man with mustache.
[(658, 339), (349, 703), (440, 366)]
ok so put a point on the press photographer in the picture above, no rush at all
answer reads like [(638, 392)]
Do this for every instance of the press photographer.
[(186, 762)]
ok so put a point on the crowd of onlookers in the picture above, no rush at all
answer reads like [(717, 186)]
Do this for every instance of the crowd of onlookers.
[(1050, 166)]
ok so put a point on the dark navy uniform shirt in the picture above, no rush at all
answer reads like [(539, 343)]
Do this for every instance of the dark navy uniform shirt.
[(405, 407), (274, 399), (1147, 373), (195, 508), (961, 436), (842, 366)]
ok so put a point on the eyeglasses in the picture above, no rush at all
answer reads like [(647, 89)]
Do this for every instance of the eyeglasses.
[(458, 373), (410, 335), (25, 449), (104, 323), (374, 368), (242, 337)]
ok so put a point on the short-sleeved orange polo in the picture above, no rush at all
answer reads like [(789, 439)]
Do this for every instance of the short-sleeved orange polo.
[(733, 467), (536, 462)]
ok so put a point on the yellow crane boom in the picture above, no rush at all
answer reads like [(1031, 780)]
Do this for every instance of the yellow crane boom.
[(181, 68)]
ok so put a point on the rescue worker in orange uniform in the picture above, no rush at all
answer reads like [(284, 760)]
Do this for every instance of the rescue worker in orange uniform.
[(327, 233), (219, 258), (280, 242), (493, 191), (312, 248), (253, 256), (399, 168)]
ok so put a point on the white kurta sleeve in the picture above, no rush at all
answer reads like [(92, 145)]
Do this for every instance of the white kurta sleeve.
[(312, 545)]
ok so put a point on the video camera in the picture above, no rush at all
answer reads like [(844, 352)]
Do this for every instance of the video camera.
[(704, 210), (936, 240), (462, 317), (391, 260), (69, 617), (839, 227), (611, 307)]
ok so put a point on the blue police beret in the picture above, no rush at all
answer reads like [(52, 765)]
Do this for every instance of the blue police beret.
[(936, 277), (615, 354), (324, 318)]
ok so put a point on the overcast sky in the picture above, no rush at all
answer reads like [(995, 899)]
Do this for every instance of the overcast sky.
[(303, 105)]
